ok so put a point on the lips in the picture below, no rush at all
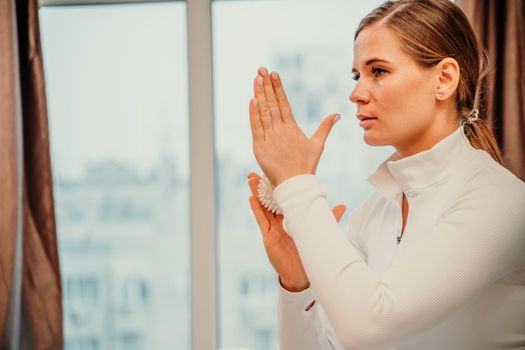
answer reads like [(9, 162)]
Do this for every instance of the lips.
[(364, 117), (364, 120)]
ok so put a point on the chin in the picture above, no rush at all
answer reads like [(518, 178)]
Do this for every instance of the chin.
[(373, 140)]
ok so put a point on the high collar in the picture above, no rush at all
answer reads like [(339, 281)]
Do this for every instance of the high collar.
[(410, 174)]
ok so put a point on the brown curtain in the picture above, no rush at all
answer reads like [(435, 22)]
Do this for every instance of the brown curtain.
[(30, 289), (500, 26)]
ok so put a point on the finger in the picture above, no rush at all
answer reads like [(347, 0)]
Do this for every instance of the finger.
[(254, 188), (339, 211), (262, 106), (270, 97), (252, 174), (255, 122), (261, 219), (321, 134), (282, 99)]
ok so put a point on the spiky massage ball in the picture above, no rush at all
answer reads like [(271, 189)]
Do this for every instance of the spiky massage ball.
[(265, 189)]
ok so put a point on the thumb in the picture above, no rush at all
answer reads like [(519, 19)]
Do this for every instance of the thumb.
[(321, 134), (338, 211)]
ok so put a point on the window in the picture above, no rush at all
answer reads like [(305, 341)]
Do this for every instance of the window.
[(311, 45), (135, 293), (117, 99), (116, 78), (131, 341), (84, 289)]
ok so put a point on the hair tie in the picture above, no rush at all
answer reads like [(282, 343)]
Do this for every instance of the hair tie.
[(471, 117)]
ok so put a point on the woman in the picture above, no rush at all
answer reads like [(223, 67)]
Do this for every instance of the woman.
[(435, 257)]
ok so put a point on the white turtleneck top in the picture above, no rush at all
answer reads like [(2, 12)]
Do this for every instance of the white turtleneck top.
[(456, 280)]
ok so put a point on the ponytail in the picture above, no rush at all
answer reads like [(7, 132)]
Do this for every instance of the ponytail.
[(478, 131), (481, 137)]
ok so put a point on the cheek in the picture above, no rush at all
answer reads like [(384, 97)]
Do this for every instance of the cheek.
[(403, 99), (405, 107)]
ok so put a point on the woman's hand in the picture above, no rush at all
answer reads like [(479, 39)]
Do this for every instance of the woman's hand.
[(279, 246), (280, 147)]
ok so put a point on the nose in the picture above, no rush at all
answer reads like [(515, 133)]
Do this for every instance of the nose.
[(360, 95)]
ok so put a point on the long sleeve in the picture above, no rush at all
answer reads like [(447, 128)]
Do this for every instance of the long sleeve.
[(301, 324), (479, 239)]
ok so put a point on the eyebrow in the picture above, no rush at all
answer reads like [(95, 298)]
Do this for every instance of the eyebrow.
[(370, 61)]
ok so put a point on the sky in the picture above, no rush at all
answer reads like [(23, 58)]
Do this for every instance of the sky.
[(116, 83)]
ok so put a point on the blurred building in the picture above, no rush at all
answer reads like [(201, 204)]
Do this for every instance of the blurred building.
[(123, 241)]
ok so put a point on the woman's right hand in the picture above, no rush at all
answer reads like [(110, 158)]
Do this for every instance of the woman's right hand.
[(279, 246)]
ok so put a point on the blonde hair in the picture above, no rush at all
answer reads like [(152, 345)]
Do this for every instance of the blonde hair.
[(431, 30)]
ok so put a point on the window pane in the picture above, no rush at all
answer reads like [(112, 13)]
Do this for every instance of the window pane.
[(117, 96), (311, 45)]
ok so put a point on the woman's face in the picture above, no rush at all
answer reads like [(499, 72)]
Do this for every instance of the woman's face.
[(392, 88)]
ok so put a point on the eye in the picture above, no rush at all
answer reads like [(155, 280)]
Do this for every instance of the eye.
[(355, 77), (378, 71)]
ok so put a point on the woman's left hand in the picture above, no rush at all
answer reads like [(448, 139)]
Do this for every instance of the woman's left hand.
[(280, 146)]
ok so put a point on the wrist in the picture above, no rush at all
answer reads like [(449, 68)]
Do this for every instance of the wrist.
[(294, 286), (284, 178)]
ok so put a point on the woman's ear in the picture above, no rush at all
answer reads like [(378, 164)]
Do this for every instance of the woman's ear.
[(448, 78)]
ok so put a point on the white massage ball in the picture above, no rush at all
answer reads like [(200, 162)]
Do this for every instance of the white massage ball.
[(266, 196)]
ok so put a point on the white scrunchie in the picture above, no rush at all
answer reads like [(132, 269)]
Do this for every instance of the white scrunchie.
[(471, 117), (265, 190)]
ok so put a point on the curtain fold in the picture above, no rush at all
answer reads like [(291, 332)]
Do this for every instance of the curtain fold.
[(10, 180), (30, 286), (500, 27)]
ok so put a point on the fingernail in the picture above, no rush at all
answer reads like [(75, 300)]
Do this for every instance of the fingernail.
[(264, 72), (336, 119), (275, 76)]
